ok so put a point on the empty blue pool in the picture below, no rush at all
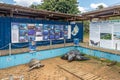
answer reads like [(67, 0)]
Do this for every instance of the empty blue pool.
[(17, 59)]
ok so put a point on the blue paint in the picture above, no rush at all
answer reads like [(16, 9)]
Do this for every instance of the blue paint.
[(13, 60), (76, 42), (5, 31)]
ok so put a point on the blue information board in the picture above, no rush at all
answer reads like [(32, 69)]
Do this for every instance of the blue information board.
[(32, 46), (76, 42)]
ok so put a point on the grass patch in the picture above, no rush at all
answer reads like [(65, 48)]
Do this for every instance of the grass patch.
[(118, 64), (99, 59), (86, 37), (93, 57)]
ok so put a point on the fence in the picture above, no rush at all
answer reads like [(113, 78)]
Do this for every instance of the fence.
[(16, 48)]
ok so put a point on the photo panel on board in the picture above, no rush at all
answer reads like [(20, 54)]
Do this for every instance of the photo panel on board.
[(57, 32), (15, 32), (57, 36), (23, 32), (23, 39), (116, 35), (51, 34), (46, 27), (45, 32), (65, 31), (31, 29), (45, 37), (51, 27), (38, 27), (61, 31), (31, 38), (39, 32), (23, 26)]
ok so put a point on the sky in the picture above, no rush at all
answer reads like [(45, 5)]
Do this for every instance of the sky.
[(83, 5)]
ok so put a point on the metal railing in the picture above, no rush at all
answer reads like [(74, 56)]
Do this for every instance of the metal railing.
[(12, 46)]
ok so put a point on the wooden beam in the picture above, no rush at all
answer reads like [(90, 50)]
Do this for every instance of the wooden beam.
[(11, 13)]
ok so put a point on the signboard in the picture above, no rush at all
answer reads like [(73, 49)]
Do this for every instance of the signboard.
[(23, 32), (94, 34), (32, 46), (107, 33), (15, 33)]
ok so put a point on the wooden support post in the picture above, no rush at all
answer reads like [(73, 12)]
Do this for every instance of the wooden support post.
[(11, 13)]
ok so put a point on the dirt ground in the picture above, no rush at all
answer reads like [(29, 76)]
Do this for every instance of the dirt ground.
[(51, 71)]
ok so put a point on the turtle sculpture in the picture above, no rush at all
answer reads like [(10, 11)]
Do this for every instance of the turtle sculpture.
[(74, 55), (34, 63)]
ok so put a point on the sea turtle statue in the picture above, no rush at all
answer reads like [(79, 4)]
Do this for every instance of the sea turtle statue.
[(34, 63), (74, 55)]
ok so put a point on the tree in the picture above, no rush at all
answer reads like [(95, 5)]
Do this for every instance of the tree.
[(86, 26), (114, 18), (100, 7), (64, 6), (33, 6)]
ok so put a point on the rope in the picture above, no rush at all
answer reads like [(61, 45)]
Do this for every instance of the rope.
[(4, 46), (43, 44), (20, 46), (39, 43), (58, 42), (47, 43)]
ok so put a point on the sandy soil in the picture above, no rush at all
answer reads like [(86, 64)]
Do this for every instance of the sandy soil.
[(51, 71)]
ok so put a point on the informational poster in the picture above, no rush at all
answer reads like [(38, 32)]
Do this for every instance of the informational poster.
[(94, 34), (62, 32), (66, 32), (39, 30), (23, 33), (106, 44), (116, 36), (31, 32), (15, 32), (26, 32), (57, 32), (69, 31), (46, 32), (108, 34), (75, 30), (51, 32), (32, 46)]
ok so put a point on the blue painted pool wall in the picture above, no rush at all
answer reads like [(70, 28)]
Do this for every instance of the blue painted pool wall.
[(13, 60), (100, 54), (5, 31), (17, 59)]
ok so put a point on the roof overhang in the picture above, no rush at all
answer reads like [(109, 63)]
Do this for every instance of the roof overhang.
[(103, 13), (19, 11)]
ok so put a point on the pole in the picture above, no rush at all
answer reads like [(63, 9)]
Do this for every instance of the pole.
[(9, 49), (50, 43), (116, 46), (64, 42)]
